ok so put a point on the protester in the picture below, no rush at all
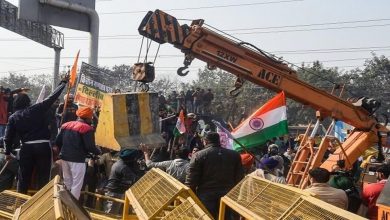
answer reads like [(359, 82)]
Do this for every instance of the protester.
[(268, 170), (319, 178), (197, 98), (247, 161), (3, 111), (344, 180), (69, 114), (28, 123), (372, 191), (124, 173), (107, 160), (273, 151), (76, 139), (189, 100), (176, 168), (10, 167), (213, 172), (208, 97)]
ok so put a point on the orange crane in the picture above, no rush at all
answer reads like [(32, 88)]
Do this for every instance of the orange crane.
[(250, 63)]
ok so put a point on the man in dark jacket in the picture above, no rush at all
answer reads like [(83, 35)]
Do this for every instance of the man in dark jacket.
[(69, 114), (28, 123), (213, 172), (76, 139), (124, 173)]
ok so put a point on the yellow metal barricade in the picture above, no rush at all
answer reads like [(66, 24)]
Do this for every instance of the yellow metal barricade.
[(9, 202), (257, 198), (158, 195), (51, 202)]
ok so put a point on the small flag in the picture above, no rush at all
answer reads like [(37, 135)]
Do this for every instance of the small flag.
[(73, 71), (267, 122), (225, 137), (42, 94), (180, 127)]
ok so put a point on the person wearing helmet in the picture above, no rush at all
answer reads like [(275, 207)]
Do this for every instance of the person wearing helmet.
[(69, 114)]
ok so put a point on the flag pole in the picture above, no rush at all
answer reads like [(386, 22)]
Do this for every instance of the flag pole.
[(66, 103), (216, 123)]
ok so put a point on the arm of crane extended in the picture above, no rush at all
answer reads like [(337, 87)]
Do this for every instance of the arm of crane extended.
[(196, 41)]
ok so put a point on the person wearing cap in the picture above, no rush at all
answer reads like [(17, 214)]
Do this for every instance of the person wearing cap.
[(124, 173), (213, 172), (76, 139), (268, 170), (69, 114), (28, 124)]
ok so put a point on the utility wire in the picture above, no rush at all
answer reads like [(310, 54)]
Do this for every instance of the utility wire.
[(203, 7), (162, 56), (137, 36)]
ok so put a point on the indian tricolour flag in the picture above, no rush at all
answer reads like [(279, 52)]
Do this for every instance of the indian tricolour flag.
[(180, 126), (267, 122)]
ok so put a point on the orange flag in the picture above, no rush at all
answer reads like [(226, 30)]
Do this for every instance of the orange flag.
[(73, 71)]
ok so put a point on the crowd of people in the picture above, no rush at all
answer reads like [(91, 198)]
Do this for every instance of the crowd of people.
[(195, 100), (51, 138)]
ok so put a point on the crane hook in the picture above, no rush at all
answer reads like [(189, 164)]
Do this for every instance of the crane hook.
[(181, 72), (234, 92)]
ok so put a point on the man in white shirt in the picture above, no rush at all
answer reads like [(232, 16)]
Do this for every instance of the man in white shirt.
[(319, 178)]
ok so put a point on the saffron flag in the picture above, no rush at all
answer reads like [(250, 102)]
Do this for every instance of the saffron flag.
[(267, 122), (73, 71), (180, 127)]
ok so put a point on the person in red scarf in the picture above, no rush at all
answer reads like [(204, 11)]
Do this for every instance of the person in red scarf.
[(76, 139)]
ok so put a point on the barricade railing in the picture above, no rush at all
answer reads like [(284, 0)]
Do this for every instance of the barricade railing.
[(9, 202), (51, 202), (257, 198), (157, 195)]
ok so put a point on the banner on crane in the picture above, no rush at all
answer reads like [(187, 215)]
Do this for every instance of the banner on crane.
[(93, 85)]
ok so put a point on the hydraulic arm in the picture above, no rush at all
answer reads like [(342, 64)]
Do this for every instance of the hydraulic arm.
[(250, 63)]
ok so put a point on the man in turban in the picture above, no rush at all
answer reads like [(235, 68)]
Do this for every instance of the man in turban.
[(268, 170), (29, 125), (124, 173), (76, 139)]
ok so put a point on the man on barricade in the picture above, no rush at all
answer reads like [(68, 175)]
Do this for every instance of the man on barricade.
[(29, 124)]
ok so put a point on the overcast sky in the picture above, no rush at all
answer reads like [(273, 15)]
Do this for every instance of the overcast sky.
[(340, 33)]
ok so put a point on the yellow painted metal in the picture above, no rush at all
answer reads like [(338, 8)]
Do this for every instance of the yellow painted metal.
[(257, 198), (9, 202), (158, 195), (51, 202), (105, 132), (144, 111), (114, 130)]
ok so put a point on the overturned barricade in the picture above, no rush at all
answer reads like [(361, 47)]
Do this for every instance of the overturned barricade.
[(51, 202), (257, 198), (9, 202), (157, 195)]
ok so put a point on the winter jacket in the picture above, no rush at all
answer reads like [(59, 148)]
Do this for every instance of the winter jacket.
[(76, 139), (122, 177), (176, 168), (29, 123), (214, 168)]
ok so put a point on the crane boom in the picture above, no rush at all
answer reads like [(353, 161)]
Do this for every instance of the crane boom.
[(253, 64), (217, 50)]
